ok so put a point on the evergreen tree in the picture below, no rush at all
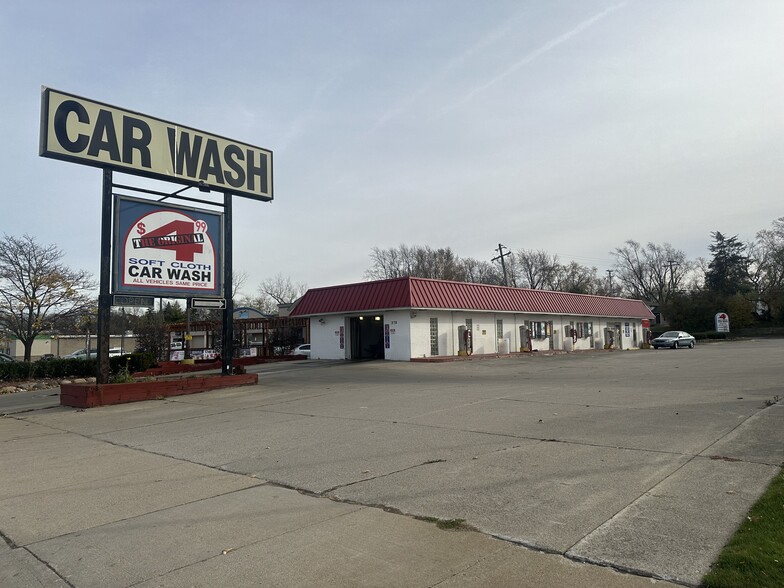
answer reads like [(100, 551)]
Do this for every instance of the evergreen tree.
[(728, 270), (173, 313)]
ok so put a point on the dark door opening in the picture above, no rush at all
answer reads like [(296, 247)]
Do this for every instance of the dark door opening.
[(367, 337)]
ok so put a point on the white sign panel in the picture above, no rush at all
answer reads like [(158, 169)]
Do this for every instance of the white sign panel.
[(166, 250), (93, 133), (722, 322)]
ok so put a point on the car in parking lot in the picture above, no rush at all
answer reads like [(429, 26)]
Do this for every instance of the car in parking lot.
[(6, 357), (81, 354), (303, 349), (673, 340)]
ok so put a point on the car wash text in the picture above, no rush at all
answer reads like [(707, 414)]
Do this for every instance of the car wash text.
[(93, 133)]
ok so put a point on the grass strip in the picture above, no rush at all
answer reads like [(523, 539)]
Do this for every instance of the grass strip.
[(754, 557)]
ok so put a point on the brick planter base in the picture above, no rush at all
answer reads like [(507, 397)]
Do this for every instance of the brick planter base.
[(91, 395)]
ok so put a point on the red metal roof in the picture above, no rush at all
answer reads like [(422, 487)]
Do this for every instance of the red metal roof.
[(439, 294)]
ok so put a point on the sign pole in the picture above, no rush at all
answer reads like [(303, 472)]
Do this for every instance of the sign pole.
[(104, 298), (227, 352)]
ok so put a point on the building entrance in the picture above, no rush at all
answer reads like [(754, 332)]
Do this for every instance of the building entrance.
[(367, 337)]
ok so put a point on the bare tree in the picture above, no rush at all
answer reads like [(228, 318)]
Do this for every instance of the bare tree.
[(238, 280), (766, 267), (652, 272), (536, 269), (479, 272), (426, 262), (387, 263), (576, 278), (37, 289), (278, 290)]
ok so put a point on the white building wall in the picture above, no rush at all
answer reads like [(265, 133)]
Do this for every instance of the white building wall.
[(398, 324), (590, 336), (409, 333), (325, 337), (420, 333)]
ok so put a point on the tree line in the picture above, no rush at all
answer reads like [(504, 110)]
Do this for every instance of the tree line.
[(40, 294), (746, 280)]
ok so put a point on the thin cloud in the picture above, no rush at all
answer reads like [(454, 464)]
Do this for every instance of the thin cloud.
[(538, 52), (485, 41)]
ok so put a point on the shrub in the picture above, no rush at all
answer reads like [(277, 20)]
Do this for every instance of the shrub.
[(73, 368), (717, 335), (14, 370), (134, 362)]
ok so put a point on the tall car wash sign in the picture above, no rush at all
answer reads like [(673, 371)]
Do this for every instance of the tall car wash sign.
[(87, 132), (166, 250)]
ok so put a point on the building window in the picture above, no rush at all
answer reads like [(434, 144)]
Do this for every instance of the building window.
[(433, 336), (499, 329), (539, 330), (584, 330)]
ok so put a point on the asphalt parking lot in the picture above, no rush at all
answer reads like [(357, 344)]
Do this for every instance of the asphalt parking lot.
[(644, 461)]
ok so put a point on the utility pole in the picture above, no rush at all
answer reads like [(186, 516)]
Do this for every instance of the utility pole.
[(500, 257), (610, 274)]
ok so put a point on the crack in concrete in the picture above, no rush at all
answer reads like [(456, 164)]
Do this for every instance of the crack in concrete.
[(51, 568), (430, 461)]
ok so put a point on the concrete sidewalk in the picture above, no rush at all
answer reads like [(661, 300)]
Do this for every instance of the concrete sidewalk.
[(643, 461), (79, 512)]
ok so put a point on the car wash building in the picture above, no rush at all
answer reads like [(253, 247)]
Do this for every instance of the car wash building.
[(409, 318)]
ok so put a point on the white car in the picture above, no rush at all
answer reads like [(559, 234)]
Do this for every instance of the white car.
[(674, 340), (303, 349), (81, 354)]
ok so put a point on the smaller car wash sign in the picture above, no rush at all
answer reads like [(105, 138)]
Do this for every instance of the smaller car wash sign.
[(167, 251), (722, 322)]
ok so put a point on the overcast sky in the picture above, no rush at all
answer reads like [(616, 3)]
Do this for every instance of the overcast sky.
[(566, 126)]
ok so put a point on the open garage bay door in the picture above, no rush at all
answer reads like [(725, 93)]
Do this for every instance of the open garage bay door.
[(367, 337)]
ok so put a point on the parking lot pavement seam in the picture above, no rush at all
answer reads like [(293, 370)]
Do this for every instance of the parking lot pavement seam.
[(190, 401), (631, 502), (740, 424), (137, 516), (626, 570), (384, 475), (16, 417), (754, 461), (328, 495), (241, 548), (10, 542), (584, 560), (27, 410), (50, 568), (465, 569)]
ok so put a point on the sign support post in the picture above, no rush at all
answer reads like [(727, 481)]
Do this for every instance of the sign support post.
[(104, 298), (227, 351)]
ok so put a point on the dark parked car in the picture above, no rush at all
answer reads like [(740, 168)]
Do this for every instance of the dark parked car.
[(673, 340), (6, 357)]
